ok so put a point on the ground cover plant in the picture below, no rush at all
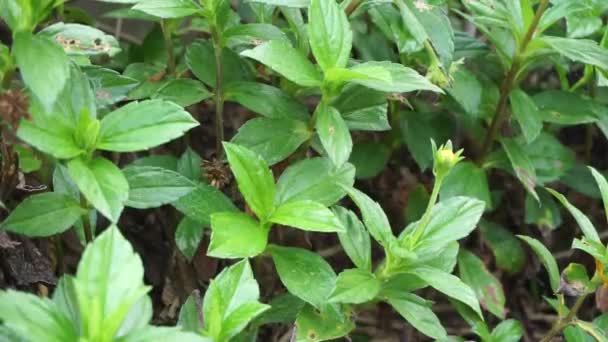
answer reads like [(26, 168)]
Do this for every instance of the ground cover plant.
[(303, 170)]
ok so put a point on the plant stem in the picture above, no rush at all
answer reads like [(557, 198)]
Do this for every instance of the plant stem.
[(86, 220), (563, 322), (510, 82), (8, 78), (352, 7), (167, 33), (426, 217), (219, 96)]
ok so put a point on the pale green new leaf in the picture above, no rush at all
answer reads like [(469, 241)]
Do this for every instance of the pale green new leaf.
[(167, 8), (329, 32), (355, 286), (43, 66), (102, 184), (236, 235), (306, 215), (287, 61), (254, 178), (109, 281)]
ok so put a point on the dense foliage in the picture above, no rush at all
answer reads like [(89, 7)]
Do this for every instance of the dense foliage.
[(248, 130)]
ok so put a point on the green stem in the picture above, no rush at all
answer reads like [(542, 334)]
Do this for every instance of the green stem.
[(563, 322), (8, 78), (510, 82), (219, 95), (86, 220), (426, 218), (352, 7), (167, 33)]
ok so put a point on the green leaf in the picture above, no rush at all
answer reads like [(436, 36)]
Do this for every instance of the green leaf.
[(284, 309), (370, 158), (188, 236), (43, 215), (417, 130), (545, 214), (526, 112), (487, 288), (354, 239), (287, 61), (328, 322), (166, 334), (252, 34), (418, 313), (82, 40), (522, 165), (466, 90), (329, 33), (189, 165), (306, 215), (363, 108), (183, 91), (199, 57), (151, 187), (167, 8), (579, 50), (108, 86), (374, 218), (266, 100), (164, 161), (28, 161), (509, 330), (334, 135), (466, 179), (34, 318), (355, 286), (143, 125), (583, 221), (109, 281), (449, 285), (508, 251), (593, 248), (603, 186), (254, 178), (231, 302), (546, 258), (286, 3), (293, 263), (430, 24), (451, 220), (273, 139), (239, 318), (102, 184), (202, 202), (41, 63), (403, 79), (566, 108), (236, 235), (314, 179), (550, 158)]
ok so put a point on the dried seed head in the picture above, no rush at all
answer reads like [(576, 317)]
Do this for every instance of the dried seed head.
[(217, 173)]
